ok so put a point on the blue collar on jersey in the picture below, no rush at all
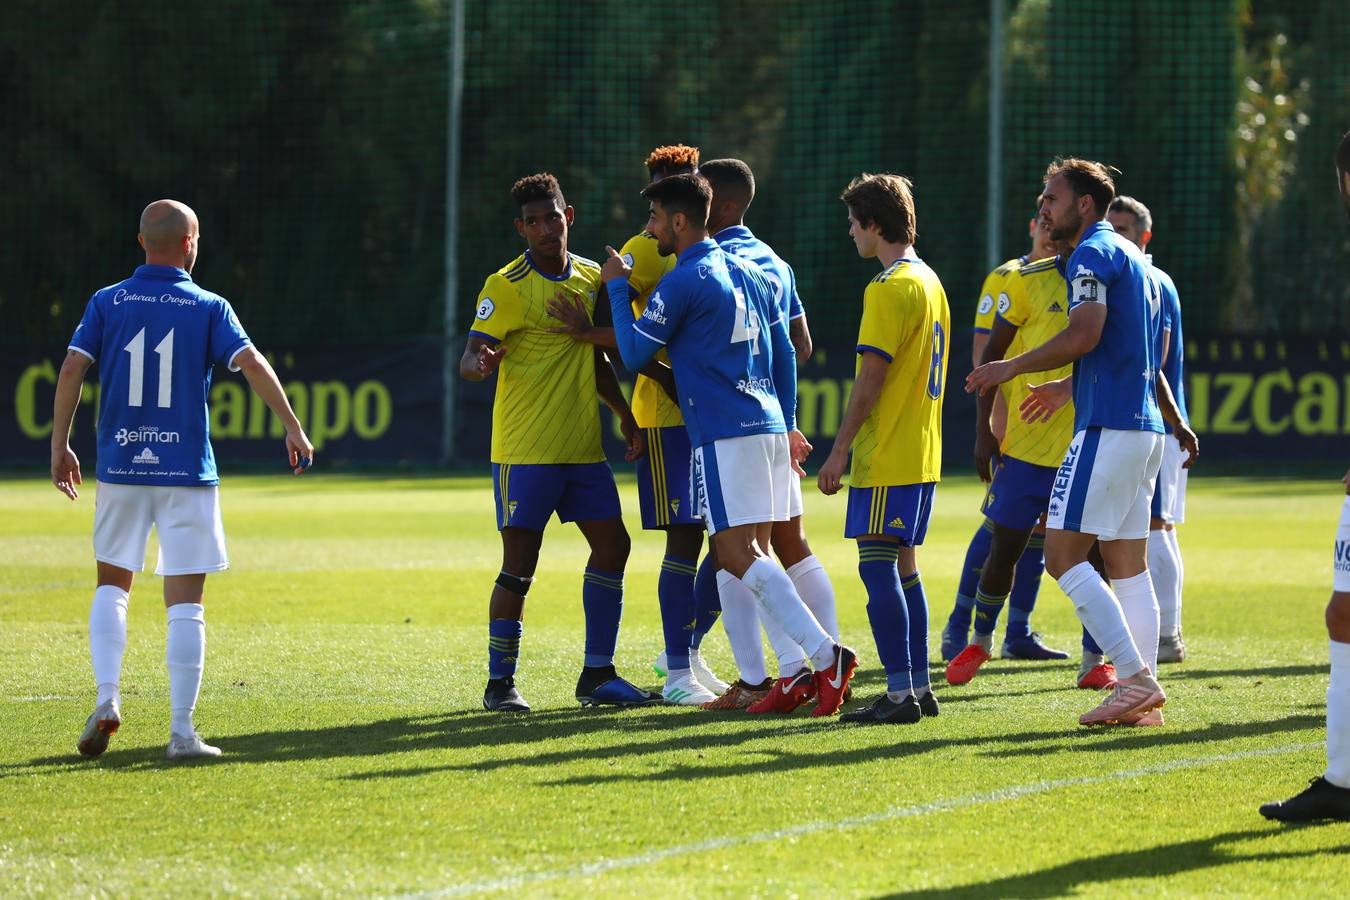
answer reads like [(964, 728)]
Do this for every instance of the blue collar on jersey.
[(566, 273), (697, 251), (1101, 225), (732, 233), (163, 273)]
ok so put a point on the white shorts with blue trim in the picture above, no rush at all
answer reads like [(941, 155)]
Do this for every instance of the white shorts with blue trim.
[(1169, 498), (186, 520), (745, 481), (1340, 579), (1105, 485)]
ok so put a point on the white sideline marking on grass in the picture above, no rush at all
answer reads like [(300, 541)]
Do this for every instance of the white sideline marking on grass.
[(1012, 792)]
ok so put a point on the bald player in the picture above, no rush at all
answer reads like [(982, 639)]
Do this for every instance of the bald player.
[(156, 337)]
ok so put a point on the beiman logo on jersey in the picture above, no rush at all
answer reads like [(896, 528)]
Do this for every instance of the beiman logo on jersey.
[(145, 434), (146, 457), (754, 385), (656, 309)]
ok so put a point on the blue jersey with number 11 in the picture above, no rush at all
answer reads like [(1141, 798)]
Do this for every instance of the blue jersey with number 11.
[(156, 337)]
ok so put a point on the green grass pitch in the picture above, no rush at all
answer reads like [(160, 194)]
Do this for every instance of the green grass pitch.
[(346, 658)]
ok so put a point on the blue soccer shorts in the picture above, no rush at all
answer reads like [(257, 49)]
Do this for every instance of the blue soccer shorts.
[(665, 494), (1019, 493), (900, 511), (527, 494)]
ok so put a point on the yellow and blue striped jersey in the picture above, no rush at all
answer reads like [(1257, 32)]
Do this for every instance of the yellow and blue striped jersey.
[(906, 320), (652, 406), (546, 409), (1037, 304), (990, 293)]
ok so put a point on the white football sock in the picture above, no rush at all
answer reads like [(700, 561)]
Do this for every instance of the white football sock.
[(814, 587), (1140, 607), (185, 652), (1180, 570), (108, 639), (1338, 716), (791, 658), (1100, 613), (777, 599), (1162, 568), (740, 621)]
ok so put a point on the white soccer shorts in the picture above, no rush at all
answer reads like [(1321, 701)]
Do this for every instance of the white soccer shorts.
[(1340, 580), (186, 520), (1172, 481), (1105, 484), (744, 481)]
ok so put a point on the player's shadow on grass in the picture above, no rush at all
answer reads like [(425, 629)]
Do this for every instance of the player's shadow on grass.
[(517, 738), (1094, 872), (1134, 738), (1172, 673)]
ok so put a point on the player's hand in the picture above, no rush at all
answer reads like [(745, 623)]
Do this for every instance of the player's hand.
[(1189, 442), (989, 376), (615, 266), (986, 454), (1044, 400), (632, 436), (66, 471), (571, 312), (489, 358), (831, 475), (299, 450), (799, 448)]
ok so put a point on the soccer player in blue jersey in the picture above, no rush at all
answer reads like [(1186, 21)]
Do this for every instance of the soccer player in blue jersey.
[(546, 452), (1328, 795), (893, 427), (1104, 488), (736, 375), (733, 189), (1132, 220), (156, 338)]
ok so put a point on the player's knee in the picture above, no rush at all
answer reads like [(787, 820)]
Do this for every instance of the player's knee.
[(1338, 616), (612, 553), (514, 584)]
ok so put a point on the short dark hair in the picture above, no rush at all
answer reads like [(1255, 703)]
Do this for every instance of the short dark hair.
[(542, 186), (689, 194), (730, 177), (1085, 177), (1343, 154), (887, 200), (1135, 208), (672, 159)]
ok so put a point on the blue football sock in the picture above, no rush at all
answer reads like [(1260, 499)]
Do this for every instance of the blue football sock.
[(675, 595), (602, 601), (886, 610), (707, 602), (1089, 645), (987, 609), (503, 646), (916, 604), (976, 554), (1026, 585)]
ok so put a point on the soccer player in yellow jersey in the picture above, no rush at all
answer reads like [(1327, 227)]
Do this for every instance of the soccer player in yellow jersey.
[(893, 424), (546, 451), (1020, 468)]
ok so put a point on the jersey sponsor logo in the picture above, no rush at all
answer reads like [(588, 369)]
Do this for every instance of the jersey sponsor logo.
[(755, 385), (146, 457), (656, 309), (145, 434), (1055, 307), (1342, 556), (125, 296), (1004, 303), (486, 308), (986, 304), (1059, 493)]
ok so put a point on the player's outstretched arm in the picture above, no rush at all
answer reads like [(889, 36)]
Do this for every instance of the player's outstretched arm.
[(65, 464), (1082, 334), (862, 397), (574, 321), (1045, 399), (986, 443), (263, 380), (635, 349), (480, 359)]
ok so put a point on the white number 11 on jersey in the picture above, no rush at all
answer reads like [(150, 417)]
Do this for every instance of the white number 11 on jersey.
[(136, 381), (746, 326)]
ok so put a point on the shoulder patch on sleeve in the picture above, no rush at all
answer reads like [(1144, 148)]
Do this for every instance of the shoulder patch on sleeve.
[(486, 308), (1004, 303), (986, 304)]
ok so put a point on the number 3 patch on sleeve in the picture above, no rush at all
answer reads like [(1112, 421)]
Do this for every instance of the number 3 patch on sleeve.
[(486, 307), (1087, 289)]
